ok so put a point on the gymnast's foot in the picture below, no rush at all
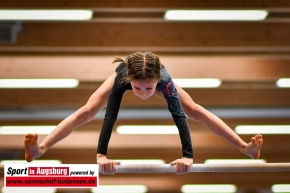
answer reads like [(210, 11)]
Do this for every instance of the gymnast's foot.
[(32, 150), (253, 148)]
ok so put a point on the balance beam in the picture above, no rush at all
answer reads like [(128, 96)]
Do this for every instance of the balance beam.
[(237, 167), (166, 168)]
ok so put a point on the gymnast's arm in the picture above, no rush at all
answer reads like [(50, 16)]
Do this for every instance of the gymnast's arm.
[(174, 106), (113, 106)]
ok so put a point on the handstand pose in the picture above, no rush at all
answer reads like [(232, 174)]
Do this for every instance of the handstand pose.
[(145, 75)]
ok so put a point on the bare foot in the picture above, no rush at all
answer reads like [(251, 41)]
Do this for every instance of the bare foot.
[(32, 150), (253, 148)]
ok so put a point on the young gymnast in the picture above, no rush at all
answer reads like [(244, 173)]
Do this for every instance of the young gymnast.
[(143, 73)]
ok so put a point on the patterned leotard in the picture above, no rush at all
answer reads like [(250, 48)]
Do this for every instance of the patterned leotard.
[(169, 91)]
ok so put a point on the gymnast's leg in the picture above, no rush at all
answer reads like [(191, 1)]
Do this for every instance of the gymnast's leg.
[(216, 125), (96, 102)]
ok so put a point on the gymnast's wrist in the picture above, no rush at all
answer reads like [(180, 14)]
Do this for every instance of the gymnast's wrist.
[(100, 155), (187, 158)]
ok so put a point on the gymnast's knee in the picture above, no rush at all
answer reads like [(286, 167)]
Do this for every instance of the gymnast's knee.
[(85, 114), (194, 111)]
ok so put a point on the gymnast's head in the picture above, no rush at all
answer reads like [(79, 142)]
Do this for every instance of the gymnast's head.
[(143, 71)]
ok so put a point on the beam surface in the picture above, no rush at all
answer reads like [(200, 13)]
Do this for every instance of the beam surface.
[(167, 168)]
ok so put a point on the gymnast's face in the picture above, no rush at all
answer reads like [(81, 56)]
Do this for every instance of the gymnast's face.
[(144, 88)]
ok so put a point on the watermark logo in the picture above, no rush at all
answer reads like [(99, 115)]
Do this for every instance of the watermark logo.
[(57, 176)]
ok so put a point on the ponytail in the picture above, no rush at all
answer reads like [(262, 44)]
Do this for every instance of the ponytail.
[(117, 59)]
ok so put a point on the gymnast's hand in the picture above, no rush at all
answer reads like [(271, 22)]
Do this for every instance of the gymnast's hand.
[(107, 166), (182, 165)]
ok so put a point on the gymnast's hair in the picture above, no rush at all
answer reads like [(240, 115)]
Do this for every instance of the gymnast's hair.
[(141, 65)]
